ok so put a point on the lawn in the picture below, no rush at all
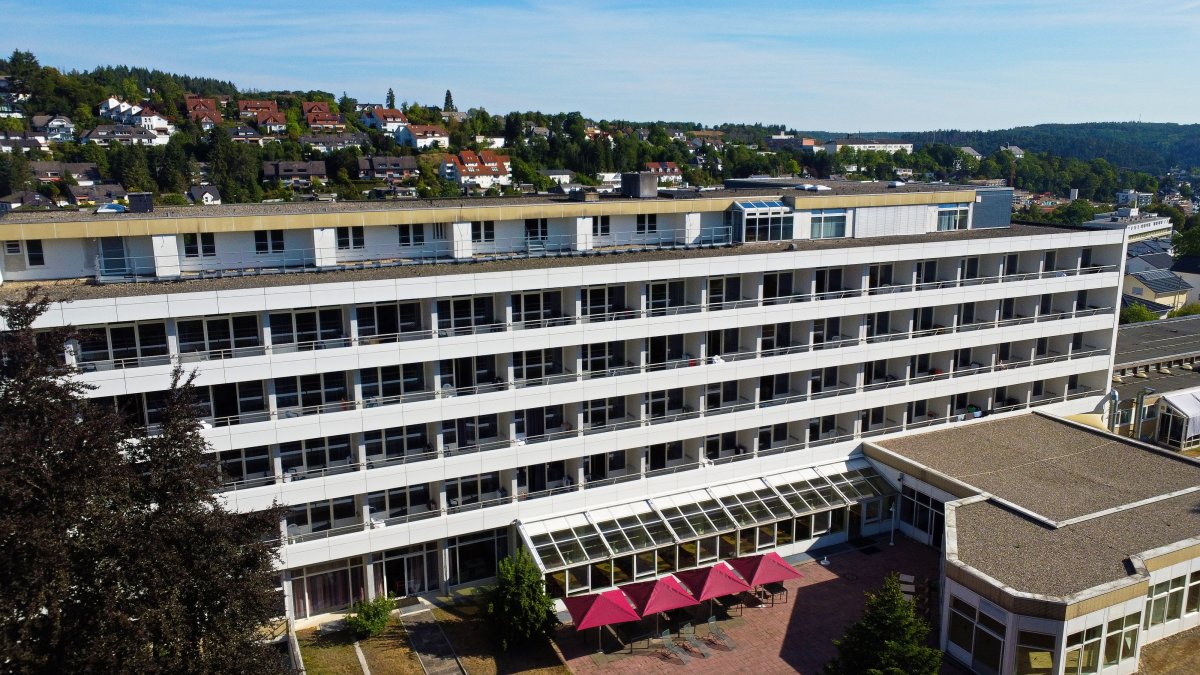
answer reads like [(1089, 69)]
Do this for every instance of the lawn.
[(331, 654), (467, 630), (389, 654)]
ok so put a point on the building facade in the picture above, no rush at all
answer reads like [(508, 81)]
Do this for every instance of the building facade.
[(624, 386)]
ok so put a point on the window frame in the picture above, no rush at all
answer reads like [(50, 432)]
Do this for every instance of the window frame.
[(268, 241), (31, 254)]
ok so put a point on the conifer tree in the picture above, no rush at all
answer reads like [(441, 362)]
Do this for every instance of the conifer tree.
[(889, 639), (448, 105)]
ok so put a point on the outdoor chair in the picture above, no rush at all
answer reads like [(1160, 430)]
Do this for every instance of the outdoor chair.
[(715, 632), (693, 642), (672, 648)]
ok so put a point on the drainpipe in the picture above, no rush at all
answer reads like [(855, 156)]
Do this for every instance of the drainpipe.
[(1113, 411)]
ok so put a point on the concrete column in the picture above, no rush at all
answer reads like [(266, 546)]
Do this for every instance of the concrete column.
[(691, 228), (583, 234), (369, 576), (351, 325)]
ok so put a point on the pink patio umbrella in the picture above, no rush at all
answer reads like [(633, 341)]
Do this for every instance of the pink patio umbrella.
[(712, 582), (764, 569), (657, 596), (600, 609)]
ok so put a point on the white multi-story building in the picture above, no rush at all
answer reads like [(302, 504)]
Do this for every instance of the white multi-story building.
[(624, 386)]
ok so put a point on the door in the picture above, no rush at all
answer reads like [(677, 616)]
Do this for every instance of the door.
[(855, 522), (112, 256)]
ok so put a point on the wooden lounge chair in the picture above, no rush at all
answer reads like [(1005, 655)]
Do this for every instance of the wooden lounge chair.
[(716, 633), (672, 648)]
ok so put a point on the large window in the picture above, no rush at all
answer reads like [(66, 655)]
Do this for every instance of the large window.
[(952, 217), (349, 238), (647, 223), (769, 227), (199, 245), (977, 633), (464, 314), (311, 392), (268, 241), (396, 443), (34, 255), (125, 345), (411, 235), (307, 329), (385, 384), (473, 558), (1121, 638), (1164, 601), (829, 223), (219, 336), (537, 229), (247, 464), (315, 454), (601, 226), (1035, 652), (483, 231), (388, 319)]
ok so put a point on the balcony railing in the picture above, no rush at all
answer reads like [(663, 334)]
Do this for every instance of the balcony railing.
[(687, 465)]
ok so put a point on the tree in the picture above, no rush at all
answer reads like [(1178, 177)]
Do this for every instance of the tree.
[(517, 606), (1137, 314), (372, 617), (889, 639), (448, 104), (391, 98), (117, 555), (1190, 309)]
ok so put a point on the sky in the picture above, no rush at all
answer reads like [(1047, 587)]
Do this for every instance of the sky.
[(849, 66)]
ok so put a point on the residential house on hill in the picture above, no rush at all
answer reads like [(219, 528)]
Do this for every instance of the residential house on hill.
[(206, 119), (422, 136), (101, 193), (1016, 151), (155, 123), (559, 176), (58, 128), (325, 121), (83, 173), (857, 143), (251, 109), (207, 195), (271, 122), (296, 174), (23, 141), (340, 141), (308, 107), (120, 133), (454, 115), (387, 168), (244, 134), (25, 199), (665, 172), (971, 152), (390, 120), (477, 170)]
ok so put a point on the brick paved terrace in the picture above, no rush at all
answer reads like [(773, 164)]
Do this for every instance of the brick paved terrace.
[(795, 636)]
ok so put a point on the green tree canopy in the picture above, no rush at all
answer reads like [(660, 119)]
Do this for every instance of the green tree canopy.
[(1137, 314), (518, 606), (117, 555), (889, 639)]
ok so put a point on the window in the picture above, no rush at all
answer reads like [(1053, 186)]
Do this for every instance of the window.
[(349, 238), (305, 328), (466, 314), (315, 454), (1164, 601), (647, 223), (311, 392), (218, 335), (268, 241), (977, 633), (828, 223), (952, 217), (483, 231), (537, 229), (124, 344), (1121, 641), (199, 245), (396, 443), (1193, 599), (439, 231), (35, 257), (411, 235), (1035, 652), (382, 385), (249, 464), (601, 226), (12, 247), (388, 319)]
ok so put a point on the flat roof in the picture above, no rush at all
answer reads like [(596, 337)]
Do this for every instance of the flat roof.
[(1059, 562), (837, 188), (1153, 341), (82, 289), (1162, 383), (1048, 466), (1064, 506)]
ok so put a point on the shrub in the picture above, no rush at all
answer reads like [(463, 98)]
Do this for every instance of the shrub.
[(518, 608), (370, 618), (172, 199)]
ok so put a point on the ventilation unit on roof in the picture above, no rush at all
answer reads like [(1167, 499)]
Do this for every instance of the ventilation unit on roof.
[(896, 184)]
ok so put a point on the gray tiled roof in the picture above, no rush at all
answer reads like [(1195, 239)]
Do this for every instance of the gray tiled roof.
[(1162, 281)]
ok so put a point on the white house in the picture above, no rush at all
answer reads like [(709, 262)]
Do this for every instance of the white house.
[(422, 136), (482, 170), (58, 129), (390, 120), (208, 195)]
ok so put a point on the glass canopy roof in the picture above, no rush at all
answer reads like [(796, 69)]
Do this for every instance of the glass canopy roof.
[(762, 205), (600, 534)]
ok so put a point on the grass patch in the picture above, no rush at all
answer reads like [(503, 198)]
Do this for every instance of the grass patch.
[(466, 628), (389, 653), (331, 654)]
